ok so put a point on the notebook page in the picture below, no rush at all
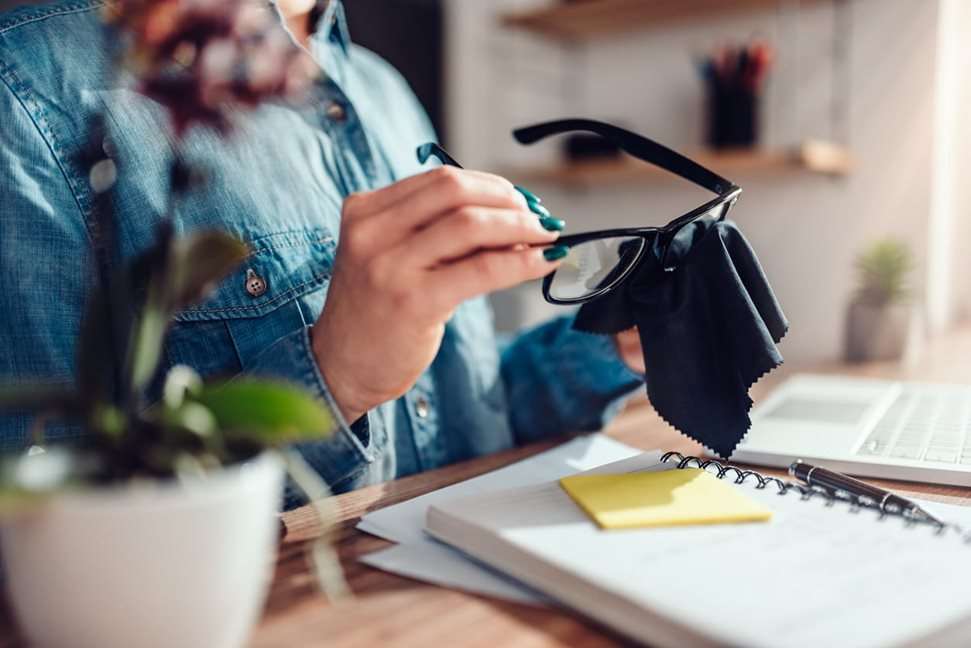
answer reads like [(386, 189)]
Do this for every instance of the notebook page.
[(811, 574)]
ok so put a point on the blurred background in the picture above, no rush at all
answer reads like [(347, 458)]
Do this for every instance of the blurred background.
[(842, 120)]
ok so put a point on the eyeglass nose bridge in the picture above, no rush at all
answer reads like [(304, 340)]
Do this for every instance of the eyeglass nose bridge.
[(665, 239), (662, 248)]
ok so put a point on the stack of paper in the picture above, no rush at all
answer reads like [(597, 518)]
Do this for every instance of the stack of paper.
[(420, 557)]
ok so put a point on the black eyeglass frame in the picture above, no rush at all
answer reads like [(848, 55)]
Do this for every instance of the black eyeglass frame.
[(646, 150)]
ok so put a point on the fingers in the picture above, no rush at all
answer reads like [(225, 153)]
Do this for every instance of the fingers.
[(395, 215), (468, 230), (629, 348), (485, 272), (367, 203)]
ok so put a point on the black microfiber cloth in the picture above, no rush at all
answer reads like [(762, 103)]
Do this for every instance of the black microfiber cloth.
[(708, 329)]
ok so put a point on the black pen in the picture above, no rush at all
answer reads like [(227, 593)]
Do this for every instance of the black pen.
[(834, 481)]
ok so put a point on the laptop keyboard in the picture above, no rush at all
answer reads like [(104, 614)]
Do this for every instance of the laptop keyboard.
[(924, 423)]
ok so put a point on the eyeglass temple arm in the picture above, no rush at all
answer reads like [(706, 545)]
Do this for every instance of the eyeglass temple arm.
[(633, 144), (426, 151)]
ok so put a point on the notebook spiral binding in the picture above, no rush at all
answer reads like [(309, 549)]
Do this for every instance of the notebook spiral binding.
[(856, 503)]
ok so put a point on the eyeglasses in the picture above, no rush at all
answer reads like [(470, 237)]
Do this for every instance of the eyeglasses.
[(600, 261)]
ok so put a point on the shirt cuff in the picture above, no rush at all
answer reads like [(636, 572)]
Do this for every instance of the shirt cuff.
[(603, 350), (561, 380), (292, 359)]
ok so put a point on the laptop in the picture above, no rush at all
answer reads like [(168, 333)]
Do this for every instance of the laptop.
[(870, 428)]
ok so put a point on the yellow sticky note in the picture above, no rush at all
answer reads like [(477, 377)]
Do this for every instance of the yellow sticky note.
[(666, 498)]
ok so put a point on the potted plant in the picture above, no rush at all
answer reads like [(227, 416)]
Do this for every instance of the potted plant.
[(159, 527), (881, 318)]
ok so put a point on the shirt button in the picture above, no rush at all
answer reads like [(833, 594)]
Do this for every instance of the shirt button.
[(335, 111), (255, 284), (421, 407)]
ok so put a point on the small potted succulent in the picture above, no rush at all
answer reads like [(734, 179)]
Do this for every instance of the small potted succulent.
[(158, 527), (881, 318)]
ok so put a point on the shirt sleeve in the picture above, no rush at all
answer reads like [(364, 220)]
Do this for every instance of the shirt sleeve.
[(291, 358), (44, 252), (349, 452), (559, 380)]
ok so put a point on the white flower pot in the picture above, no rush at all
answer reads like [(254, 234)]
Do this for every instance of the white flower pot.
[(163, 564)]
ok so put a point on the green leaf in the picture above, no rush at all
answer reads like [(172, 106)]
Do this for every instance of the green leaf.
[(180, 273), (883, 272), (109, 421), (146, 350), (271, 413), (199, 262), (148, 275)]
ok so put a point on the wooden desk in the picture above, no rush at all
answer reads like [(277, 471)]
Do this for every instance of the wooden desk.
[(390, 610), (394, 611)]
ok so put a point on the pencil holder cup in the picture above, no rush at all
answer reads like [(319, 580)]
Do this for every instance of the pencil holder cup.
[(733, 116)]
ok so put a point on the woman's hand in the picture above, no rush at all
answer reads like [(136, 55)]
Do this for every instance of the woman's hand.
[(408, 255), (629, 348)]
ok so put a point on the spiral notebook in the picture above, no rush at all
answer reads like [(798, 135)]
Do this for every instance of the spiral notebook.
[(821, 571)]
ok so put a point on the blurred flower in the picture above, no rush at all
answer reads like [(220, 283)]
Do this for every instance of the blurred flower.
[(201, 58)]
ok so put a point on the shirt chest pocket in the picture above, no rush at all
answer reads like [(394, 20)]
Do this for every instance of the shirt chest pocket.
[(278, 289)]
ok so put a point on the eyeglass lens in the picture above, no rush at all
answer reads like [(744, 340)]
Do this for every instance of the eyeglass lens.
[(594, 265)]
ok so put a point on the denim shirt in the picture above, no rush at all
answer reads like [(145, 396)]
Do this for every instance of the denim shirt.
[(278, 183)]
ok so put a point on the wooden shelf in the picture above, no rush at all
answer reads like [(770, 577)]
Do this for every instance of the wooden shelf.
[(814, 156), (581, 20), (588, 19)]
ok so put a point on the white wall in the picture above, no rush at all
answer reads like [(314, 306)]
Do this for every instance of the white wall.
[(949, 279), (806, 228), (960, 239)]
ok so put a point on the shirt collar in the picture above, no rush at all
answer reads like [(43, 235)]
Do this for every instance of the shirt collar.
[(332, 26)]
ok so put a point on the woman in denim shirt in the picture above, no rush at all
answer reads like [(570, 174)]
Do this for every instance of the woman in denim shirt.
[(366, 277)]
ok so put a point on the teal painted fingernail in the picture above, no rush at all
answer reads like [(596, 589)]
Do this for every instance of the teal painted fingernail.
[(528, 195), (538, 209), (552, 224), (555, 253)]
